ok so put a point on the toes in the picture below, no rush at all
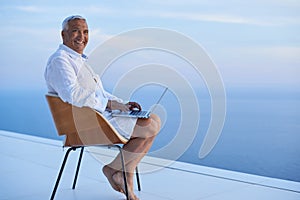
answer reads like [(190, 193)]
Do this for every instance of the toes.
[(119, 180)]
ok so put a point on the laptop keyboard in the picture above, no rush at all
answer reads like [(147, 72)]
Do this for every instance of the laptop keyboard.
[(134, 112)]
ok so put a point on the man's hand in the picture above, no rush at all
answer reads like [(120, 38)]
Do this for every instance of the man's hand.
[(114, 105), (134, 106)]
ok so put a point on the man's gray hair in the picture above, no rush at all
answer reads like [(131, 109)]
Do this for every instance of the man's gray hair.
[(70, 18)]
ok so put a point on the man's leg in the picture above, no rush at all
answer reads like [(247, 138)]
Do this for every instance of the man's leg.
[(136, 148)]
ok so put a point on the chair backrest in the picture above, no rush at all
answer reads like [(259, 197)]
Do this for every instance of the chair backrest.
[(82, 126)]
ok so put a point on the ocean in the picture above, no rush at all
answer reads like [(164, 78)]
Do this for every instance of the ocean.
[(260, 136)]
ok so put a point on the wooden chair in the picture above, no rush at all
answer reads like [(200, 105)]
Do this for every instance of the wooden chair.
[(84, 127)]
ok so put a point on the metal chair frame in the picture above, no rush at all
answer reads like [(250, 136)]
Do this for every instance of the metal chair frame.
[(78, 167)]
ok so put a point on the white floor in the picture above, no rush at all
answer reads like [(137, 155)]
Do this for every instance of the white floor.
[(29, 167)]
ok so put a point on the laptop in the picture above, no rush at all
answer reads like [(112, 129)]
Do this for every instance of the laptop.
[(139, 114)]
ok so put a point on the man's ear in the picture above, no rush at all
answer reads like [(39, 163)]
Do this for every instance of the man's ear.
[(63, 36)]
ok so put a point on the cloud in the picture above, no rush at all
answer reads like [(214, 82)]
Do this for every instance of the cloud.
[(173, 3), (221, 18), (260, 64), (30, 9), (273, 53), (263, 13), (259, 13)]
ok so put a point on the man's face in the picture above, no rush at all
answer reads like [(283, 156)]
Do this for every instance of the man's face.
[(76, 36)]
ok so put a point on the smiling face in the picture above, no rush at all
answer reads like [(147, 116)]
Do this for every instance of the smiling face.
[(76, 35)]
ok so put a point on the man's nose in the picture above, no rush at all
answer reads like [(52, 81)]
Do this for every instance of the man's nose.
[(80, 34)]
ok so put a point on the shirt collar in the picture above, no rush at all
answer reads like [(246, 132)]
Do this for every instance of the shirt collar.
[(72, 53)]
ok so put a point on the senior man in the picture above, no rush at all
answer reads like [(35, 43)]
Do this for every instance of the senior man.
[(68, 75)]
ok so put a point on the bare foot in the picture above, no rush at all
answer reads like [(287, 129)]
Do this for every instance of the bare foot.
[(119, 180), (109, 172)]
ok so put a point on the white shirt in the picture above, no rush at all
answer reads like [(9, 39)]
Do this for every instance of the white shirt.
[(68, 75)]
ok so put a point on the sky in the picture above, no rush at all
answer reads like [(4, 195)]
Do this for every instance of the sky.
[(253, 43)]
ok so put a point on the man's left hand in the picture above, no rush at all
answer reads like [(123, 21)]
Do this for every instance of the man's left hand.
[(134, 105)]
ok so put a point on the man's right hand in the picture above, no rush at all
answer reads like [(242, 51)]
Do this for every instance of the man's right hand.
[(114, 105)]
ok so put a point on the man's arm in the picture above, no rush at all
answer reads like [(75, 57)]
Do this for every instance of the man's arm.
[(62, 77)]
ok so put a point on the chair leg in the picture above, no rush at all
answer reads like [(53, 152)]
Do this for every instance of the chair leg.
[(77, 169), (124, 172), (138, 178), (61, 171)]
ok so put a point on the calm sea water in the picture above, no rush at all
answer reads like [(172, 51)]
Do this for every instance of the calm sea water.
[(261, 133)]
